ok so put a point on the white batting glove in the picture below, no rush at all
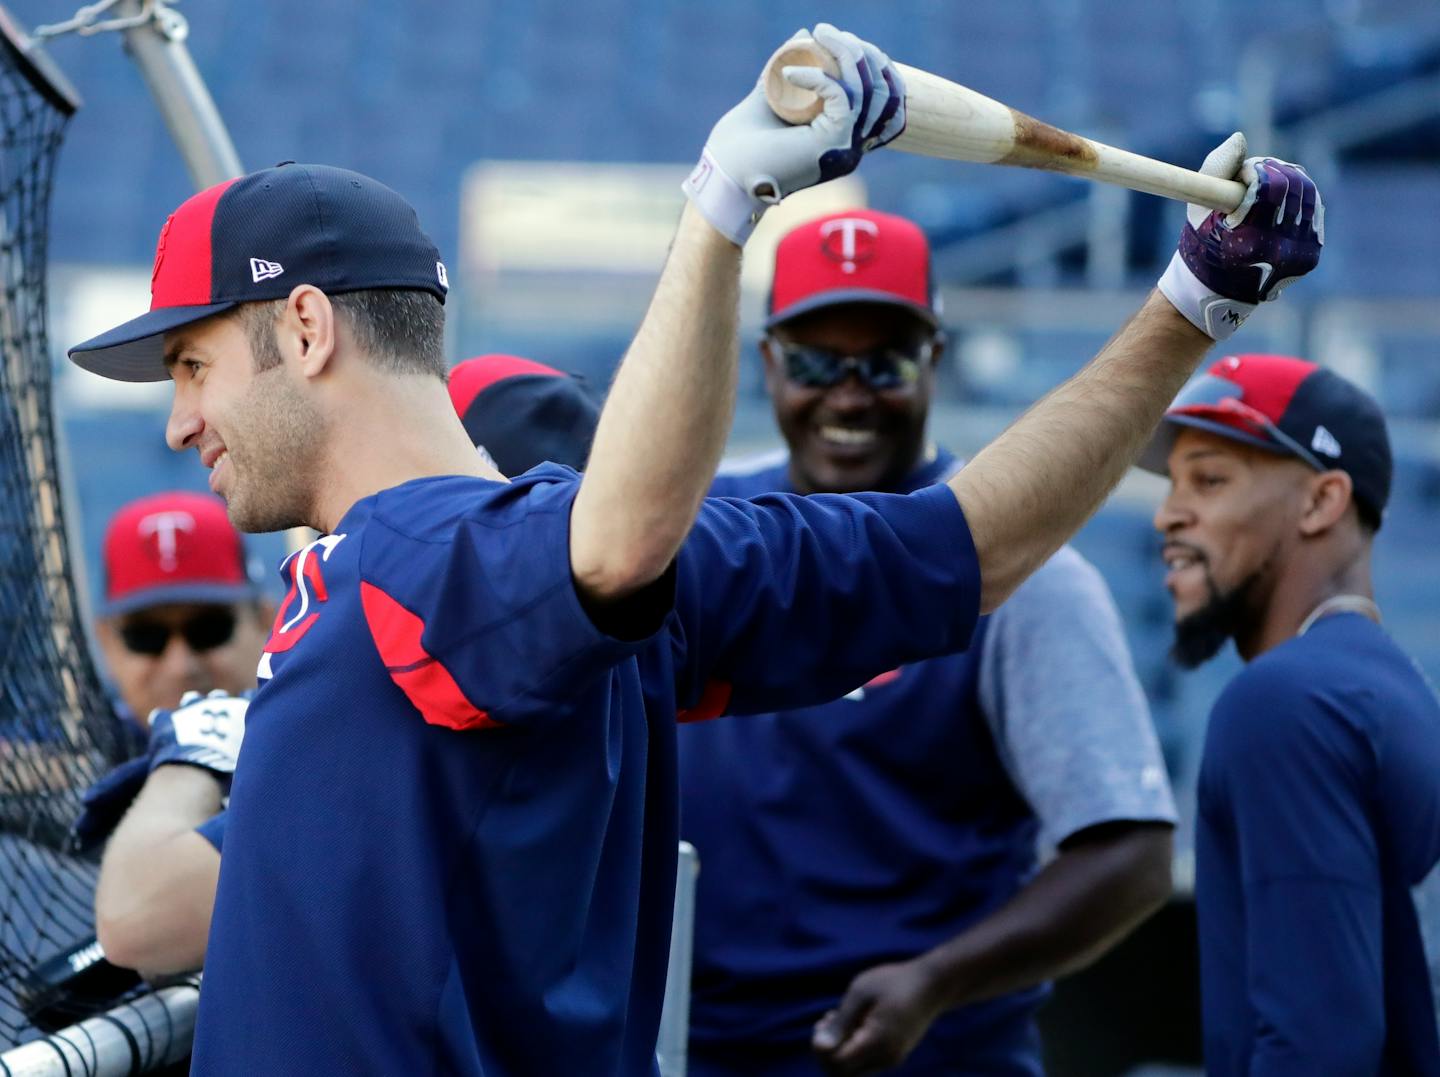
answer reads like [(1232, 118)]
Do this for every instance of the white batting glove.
[(753, 158), (203, 731)]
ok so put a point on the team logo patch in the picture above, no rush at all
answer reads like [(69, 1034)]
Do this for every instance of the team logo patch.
[(260, 269), (166, 528), (849, 241), (305, 598)]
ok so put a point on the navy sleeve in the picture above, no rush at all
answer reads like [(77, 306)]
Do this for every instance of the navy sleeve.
[(787, 601), (213, 831), (475, 615), (1294, 773)]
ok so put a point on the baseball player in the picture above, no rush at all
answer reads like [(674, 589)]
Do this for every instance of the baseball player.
[(183, 609), (156, 888), (464, 730), (183, 614), (875, 858), (1318, 833)]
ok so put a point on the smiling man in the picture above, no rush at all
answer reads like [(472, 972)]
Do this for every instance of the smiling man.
[(1319, 799), (464, 735), (903, 842)]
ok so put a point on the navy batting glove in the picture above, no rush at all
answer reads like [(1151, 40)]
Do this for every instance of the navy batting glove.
[(1228, 264), (106, 802)]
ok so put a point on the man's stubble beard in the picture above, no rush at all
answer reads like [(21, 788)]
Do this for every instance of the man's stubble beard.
[(279, 434)]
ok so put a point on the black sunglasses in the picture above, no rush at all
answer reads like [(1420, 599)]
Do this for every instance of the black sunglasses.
[(203, 632), (883, 368)]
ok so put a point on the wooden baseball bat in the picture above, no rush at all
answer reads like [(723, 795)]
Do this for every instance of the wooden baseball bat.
[(945, 119)]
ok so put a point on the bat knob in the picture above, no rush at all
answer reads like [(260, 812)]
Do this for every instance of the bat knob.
[(788, 101)]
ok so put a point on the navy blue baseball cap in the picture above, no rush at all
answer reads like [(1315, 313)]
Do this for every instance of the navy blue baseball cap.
[(523, 413), (255, 238), (1291, 407)]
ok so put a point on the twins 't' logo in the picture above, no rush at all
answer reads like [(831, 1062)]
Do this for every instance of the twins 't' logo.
[(300, 609)]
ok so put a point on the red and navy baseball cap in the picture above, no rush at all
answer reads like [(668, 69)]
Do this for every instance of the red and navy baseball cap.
[(256, 238), (853, 256), (1288, 406), (174, 547), (523, 413)]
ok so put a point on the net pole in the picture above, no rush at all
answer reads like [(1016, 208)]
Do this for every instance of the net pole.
[(671, 1050), (153, 1031), (158, 48)]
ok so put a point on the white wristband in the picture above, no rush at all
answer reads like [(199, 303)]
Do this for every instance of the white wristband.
[(1208, 311), (723, 202)]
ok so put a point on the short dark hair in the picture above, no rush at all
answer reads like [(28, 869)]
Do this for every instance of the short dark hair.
[(402, 329)]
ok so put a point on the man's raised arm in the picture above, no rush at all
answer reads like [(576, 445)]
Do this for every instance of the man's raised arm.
[(1036, 484), (669, 410)]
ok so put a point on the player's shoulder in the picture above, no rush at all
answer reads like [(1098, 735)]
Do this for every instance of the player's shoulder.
[(1277, 696), (431, 509)]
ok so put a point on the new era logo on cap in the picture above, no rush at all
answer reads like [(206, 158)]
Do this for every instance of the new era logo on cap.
[(263, 270), (1325, 442)]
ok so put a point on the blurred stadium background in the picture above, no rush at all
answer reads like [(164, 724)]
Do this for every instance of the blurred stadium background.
[(493, 117)]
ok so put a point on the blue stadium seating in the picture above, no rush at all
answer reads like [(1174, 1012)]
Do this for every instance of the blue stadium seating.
[(413, 91)]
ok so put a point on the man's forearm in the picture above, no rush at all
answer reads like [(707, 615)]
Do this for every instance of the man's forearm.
[(664, 425), (1035, 485), (156, 888), (1083, 902)]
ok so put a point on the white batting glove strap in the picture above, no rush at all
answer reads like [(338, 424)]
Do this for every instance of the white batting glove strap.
[(730, 209), (1211, 313)]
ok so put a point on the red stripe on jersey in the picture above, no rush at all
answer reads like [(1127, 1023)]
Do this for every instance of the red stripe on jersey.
[(425, 682), (713, 701), (184, 259)]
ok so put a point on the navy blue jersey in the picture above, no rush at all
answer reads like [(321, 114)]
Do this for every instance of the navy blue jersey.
[(451, 841), (1319, 823), (873, 828)]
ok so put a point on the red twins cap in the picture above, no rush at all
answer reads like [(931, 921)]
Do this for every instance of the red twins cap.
[(854, 256), (173, 547), (256, 238), (523, 413), (1288, 406)]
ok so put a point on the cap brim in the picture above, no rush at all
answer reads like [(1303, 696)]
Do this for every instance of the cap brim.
[(1156, 455), (821, 300), (205, 594), (134, 351)]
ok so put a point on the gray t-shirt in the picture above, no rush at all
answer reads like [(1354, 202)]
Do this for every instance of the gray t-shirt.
[(1069, 719)]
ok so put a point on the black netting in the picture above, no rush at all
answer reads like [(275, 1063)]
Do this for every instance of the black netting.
[(57, 733)]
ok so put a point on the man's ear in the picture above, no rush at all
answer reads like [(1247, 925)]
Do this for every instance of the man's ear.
[(1328, 496), (306, 329)]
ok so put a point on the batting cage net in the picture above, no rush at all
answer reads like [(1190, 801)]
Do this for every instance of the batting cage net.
[(57, 729)]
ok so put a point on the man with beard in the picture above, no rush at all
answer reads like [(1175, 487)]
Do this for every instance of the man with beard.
[(1318, 834), (898, 830), (453, 837)]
